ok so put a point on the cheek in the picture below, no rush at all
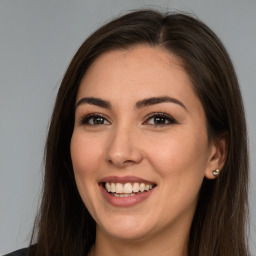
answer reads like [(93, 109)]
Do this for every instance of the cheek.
[(179, 150), (85, 160), (181, 161), (85, 155)]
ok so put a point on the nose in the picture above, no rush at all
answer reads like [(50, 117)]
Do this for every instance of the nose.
[(123, 148)]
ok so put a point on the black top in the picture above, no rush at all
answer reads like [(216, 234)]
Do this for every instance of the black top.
[(21, 252)]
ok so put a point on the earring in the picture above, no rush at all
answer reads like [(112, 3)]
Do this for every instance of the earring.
[(216, 173)]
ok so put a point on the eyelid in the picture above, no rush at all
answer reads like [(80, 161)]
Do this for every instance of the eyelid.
[(161, 114), (85, 118)]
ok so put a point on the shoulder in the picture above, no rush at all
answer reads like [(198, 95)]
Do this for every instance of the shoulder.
[(21, 252)]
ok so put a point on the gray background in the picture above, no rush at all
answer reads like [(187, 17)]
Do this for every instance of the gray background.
[(37, 41)]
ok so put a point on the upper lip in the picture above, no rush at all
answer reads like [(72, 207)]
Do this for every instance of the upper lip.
[(125, 179)]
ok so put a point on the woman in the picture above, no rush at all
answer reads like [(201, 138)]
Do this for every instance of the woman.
[(147, 147)]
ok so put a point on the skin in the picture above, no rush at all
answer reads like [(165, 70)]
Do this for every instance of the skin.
[(175, 155)]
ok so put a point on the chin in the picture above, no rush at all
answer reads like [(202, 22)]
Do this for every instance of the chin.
[(127, 234), (126, 229)]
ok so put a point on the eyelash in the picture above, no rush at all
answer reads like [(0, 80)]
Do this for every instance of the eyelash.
[(163, 117), (85, 120)]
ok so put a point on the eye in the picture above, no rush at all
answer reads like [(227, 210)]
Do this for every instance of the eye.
[(159, 119), (94, 119)]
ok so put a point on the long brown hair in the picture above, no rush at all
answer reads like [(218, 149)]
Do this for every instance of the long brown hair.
[(64, 226)]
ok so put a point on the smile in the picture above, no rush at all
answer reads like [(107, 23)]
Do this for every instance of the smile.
[(127, 189)]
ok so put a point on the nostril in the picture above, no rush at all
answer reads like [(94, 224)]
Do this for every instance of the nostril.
[(120, 162), (127, 162)]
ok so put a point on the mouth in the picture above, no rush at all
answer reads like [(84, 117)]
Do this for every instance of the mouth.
[(128, 189)]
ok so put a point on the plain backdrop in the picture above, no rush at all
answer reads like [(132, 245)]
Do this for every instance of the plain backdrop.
[(37, 41)]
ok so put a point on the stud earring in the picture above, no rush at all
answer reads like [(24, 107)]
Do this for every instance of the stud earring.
[(216, 173)]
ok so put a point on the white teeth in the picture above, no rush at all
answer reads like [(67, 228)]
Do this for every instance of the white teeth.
[(142, 187), (108, 187), (124, 195), (136, 187), (127, 189), (119, 188), (113, 187)]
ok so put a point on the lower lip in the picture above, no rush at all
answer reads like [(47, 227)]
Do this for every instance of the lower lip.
[(125, 201)]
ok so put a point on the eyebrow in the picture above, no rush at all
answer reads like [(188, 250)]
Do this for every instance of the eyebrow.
[(94, 101), (158, 100), (140, 104)]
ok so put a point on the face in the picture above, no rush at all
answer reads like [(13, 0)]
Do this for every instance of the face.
[(139, 148)]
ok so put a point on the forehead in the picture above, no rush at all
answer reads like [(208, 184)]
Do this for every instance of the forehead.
[(141, 71)]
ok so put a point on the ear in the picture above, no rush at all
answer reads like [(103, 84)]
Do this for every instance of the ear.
[(217, 155)]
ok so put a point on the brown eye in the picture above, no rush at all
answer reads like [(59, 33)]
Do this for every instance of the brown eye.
[(96, 120), (159, 119), (93, 119)]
